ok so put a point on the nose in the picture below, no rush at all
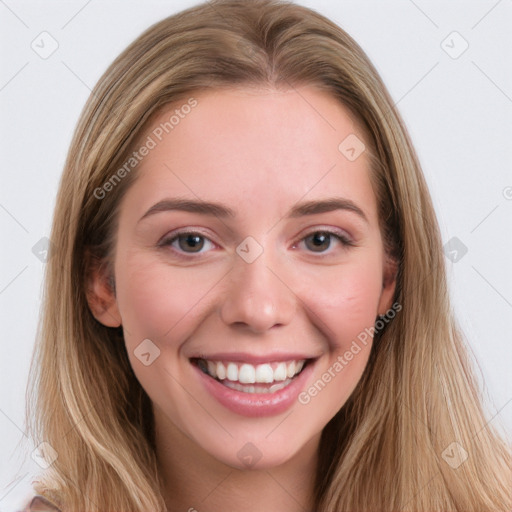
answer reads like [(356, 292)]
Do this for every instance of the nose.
[(258, 296)]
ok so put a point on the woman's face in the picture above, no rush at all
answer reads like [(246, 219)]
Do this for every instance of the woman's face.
[(249, 247)]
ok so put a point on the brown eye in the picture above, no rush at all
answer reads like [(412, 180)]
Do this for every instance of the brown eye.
[(320, 241), (190, 240)]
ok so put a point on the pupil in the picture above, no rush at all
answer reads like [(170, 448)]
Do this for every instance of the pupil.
[(193, 241), (321, 240)]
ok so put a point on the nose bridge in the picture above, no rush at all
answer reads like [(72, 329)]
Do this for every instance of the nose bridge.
[(258, 295)]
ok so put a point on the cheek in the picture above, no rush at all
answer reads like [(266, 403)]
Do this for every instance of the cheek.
[(345, 301), (156, 301), (162, 304), (345, 308)]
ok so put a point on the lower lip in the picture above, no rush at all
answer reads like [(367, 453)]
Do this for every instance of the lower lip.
[(256, 404)]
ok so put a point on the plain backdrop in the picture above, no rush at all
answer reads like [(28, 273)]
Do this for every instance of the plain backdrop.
[(447, 66)]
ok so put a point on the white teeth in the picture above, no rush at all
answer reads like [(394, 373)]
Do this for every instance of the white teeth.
[(220, 371), (280, 372), (281, 385), (290, 370), (232, 372), (264, 373), (256, 389), (245, 373)]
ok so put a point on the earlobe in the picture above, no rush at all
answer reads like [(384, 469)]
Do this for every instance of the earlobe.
[(101, 295)]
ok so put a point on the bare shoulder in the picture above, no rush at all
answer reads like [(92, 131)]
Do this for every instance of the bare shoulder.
[(40, 504)]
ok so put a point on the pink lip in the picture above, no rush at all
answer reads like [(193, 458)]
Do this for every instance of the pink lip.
[(239, 357), (256, 404)]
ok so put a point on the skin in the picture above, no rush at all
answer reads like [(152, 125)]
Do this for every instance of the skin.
[(259, 152)]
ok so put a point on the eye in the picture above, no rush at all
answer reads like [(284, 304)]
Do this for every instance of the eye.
[(189, 242), (193, 242), (321, 240)]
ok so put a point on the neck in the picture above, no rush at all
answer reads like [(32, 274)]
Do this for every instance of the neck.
[(194, 481)]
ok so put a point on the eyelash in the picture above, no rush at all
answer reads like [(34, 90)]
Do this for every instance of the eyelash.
[(343, 239)]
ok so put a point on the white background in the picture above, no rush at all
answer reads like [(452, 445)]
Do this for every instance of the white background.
[(458, 111)]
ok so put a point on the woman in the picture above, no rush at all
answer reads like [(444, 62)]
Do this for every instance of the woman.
[(248, 289)]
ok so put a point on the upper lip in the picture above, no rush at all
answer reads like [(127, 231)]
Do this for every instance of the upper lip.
[(240, 357)]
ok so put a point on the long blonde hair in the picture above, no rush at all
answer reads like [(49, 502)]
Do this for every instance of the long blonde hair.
[(384, 449)]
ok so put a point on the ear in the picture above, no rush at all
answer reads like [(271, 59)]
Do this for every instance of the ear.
[(101, 292), (389, 277)]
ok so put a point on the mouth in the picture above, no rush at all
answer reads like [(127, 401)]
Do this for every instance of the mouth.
[(254, 386), (264, 378)]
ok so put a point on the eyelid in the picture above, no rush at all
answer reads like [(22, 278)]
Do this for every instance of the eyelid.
[(188, 230), (330, 230)]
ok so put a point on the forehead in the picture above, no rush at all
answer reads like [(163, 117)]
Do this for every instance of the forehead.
[(243, 146)]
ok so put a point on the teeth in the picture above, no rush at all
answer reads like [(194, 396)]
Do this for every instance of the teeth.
[(290, 370), (211, 366), (280, 372), (264, 373), (247, 374), (256, 389), (221, 371), (232, 371), (244, 373)]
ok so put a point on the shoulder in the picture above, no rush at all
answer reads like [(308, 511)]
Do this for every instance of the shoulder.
[(40, 504)]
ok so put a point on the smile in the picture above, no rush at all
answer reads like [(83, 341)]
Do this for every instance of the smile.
[(267, 377), (254, 385)]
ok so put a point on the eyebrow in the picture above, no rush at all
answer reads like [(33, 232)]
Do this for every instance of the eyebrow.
[(223, 211)]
